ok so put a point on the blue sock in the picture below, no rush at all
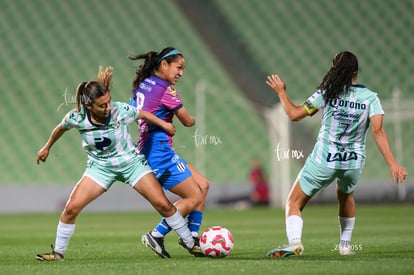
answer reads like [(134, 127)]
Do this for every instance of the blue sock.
[(163, 228), (194, 221)]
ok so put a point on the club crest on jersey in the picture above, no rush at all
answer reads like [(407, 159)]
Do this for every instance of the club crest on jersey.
[(116, 124), (172, 90)]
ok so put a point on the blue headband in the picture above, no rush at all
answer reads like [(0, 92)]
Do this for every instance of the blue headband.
[(173, 52)]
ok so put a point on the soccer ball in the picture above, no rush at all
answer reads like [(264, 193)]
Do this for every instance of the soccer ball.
[(216, 242)]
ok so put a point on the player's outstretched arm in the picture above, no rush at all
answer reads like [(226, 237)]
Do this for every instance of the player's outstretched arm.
[(54, 136), (398, 172), (294, 112), (150, 118)]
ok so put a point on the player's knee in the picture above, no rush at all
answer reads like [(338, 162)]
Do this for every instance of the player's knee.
[(204, 186), (199, 198), (71, 211), (194, 201), (195, 197), (165, 208)]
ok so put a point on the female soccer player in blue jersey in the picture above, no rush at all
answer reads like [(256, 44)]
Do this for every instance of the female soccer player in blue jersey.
[(112, 156), (339, 153), (153, 91)]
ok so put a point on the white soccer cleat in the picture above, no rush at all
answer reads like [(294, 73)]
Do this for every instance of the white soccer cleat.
[(345, 250)]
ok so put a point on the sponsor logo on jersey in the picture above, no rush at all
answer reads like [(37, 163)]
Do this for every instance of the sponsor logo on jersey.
[(341, 156), (337, 102), (102, 143), (145, 87), (343, 115), (150, 81)]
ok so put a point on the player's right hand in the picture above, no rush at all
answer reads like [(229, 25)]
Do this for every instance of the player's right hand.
[(42, 155), (170, 129)]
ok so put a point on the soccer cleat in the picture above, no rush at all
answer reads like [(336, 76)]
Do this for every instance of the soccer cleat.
[(346, 250), (156, 244), (286, 251), (49, 257), (196, 250)]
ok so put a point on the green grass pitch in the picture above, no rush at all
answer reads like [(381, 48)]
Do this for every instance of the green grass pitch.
[(109, 243)]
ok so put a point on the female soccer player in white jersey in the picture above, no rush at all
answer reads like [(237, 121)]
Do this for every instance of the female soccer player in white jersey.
[(339, 153), (112, 156), (154, 91)]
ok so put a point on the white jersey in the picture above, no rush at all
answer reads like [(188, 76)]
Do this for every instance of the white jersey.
[(345, 121), (109, 144)]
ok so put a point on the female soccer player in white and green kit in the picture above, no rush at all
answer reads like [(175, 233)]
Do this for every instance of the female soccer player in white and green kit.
[(112, 156), (339, 153)]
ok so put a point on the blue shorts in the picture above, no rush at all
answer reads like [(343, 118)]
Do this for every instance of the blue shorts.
[(314, 177), (169, 168)]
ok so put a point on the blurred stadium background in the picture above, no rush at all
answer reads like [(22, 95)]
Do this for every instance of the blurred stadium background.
[(47, 47)]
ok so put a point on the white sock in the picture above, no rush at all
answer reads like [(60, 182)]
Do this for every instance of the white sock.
[(346, 226), (178, 223), (294, 225), (63, 235)]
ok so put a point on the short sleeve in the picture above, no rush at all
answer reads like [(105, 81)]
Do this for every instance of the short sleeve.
[(128, 112), (171, 99), (70, 120), (375, 106)]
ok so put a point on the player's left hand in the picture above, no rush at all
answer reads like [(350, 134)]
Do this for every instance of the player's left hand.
[(398, 174)]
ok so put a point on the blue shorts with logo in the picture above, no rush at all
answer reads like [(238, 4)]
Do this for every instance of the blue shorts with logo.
[(314, 177), (169, 168)]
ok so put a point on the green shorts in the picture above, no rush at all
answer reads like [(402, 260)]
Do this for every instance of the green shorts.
[(314, 177), (130, 174)]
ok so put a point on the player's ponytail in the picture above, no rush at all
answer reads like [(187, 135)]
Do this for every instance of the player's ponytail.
[(152, 61), (105, 77), (146, 69), (339, 78), (80, 95)]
